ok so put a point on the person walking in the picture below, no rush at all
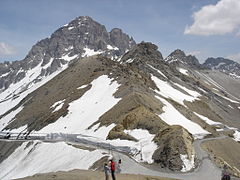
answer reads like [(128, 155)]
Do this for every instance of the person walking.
[(106, 170), (113, 168)]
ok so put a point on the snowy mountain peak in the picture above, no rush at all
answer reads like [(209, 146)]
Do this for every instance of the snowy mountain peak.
[(227, 66), (82, 37)]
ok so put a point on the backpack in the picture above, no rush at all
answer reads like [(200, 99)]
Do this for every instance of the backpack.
[(226, 177)]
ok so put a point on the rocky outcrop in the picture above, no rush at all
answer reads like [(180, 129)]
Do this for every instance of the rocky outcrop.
[(142, 53), (172, 142), (118, 133)]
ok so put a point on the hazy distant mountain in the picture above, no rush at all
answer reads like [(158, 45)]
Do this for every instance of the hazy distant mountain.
[(179, 57), (224, 65)]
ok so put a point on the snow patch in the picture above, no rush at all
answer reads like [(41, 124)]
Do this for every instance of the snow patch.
[(191, 92), (208, 121), (188, 164), (145, 144), (4, 75), (173, 117), (90, 52), (69, 58), (236, 136), (86, 110), (58, 105), (183, 71), (157, 70), (70, 28), (130, 60), (111, 48), (168, 91), (4, 121), (83, 86)]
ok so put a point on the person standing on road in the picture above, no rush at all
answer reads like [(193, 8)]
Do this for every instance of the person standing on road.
[(113, 167), (225, 173), (106, 170)]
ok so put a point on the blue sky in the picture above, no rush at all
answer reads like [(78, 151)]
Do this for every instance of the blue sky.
[(170, 24)]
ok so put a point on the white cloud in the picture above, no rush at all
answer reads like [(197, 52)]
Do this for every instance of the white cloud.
[(219, 19), (235, 57), (6, 49), (194, 53)]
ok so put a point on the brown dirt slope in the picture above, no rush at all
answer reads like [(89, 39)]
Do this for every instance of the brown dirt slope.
[(88, 175), (225, 151)]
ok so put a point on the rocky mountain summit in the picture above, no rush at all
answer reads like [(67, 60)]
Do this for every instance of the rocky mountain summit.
[(80, 38), (179, 57), (227, 66)]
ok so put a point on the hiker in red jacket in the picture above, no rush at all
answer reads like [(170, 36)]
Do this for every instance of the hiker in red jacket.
[(112, 164)]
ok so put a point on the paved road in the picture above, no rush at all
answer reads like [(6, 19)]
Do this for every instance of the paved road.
[(207, 170)]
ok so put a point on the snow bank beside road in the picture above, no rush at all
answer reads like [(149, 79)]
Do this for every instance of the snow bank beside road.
[(37, 157)]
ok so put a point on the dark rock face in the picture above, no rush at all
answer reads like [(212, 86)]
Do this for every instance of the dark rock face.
[(70, 41), (179, 57), (173, 141), (121, 40), (143, 53), (224, 65)]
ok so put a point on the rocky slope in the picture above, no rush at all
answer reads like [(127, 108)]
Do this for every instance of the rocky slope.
[(178, 57), (227, 66)]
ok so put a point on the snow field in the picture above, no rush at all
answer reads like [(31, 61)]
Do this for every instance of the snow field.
[(168, 91), (188, 164), (7, 102), (86, 110), (8, 118), (39, 157), (173, 117)]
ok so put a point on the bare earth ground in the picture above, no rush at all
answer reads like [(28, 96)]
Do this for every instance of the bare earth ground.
[(88, 175), (224, 151)]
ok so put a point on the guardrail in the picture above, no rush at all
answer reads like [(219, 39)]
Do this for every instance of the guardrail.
[(77, 138)]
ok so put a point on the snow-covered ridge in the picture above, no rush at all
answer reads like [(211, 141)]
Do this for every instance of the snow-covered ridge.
[(10, 97)]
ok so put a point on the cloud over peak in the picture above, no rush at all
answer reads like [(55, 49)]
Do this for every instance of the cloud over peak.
[(218, 19), (6, 49)]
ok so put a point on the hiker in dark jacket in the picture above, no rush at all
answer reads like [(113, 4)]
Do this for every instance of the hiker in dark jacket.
[(225, 173), (113, 168)]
